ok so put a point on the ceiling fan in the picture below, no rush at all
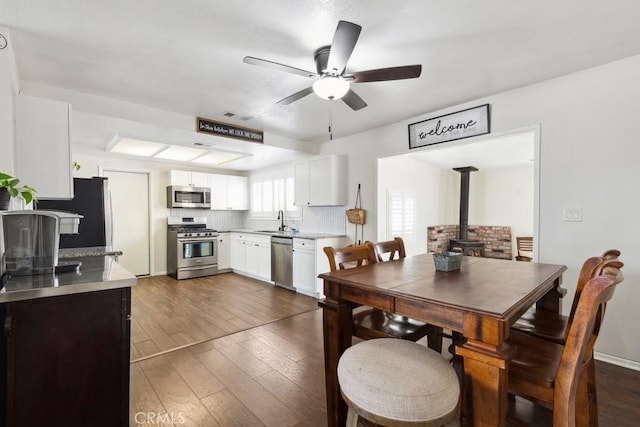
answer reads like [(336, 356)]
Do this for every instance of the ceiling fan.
[(331, 82)]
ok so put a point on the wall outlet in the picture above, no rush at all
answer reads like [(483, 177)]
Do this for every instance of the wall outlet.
[(572, 214)]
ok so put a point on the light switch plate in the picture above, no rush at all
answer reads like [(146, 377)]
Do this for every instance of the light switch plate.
[(572, 214)]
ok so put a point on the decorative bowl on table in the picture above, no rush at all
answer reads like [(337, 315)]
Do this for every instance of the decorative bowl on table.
[(448, 261)]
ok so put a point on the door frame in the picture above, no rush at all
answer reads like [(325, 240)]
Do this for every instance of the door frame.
[(151, 252)]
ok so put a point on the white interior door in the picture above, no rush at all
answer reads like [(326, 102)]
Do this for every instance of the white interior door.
[(130, 204)]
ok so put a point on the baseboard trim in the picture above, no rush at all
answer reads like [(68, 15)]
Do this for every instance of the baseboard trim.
[(619, 361)]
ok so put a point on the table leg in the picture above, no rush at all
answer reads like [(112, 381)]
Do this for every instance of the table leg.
[(486, 375), (336, 324)]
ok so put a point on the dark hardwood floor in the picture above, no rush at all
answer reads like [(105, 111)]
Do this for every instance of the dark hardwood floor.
[(265, 368), (168, 314)]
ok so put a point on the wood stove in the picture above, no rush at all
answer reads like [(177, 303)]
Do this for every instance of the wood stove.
[(463, 244), (467, 247)]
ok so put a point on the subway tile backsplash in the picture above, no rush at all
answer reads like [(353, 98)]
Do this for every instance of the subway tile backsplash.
[(324, 219), (219, 220)]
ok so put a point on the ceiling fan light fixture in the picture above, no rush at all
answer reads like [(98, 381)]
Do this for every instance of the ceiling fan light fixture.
[(331, 87)]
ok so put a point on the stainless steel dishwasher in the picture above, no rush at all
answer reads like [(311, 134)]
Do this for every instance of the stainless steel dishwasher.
[(282, 261)]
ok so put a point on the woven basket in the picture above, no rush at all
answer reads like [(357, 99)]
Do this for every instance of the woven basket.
[(356, 216), (448, 262)]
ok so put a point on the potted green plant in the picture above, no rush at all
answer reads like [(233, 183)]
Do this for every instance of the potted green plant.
[(9, 188)]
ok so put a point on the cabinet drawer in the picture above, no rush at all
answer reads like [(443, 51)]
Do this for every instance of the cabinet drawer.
[(308, 244), (260, 239), (238, 237)]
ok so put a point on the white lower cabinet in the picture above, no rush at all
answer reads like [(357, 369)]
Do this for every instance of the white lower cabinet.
[(238, 253), (304, 266), (251, 255), (224, 251), (258, 253), (309, 261)]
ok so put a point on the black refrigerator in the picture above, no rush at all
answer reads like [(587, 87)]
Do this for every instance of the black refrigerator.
[(92, 201)]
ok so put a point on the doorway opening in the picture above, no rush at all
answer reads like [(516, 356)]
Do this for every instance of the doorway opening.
[(504, 190)]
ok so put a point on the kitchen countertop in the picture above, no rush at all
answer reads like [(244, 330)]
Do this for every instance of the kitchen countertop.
[(87, 252), (96, 273), (297, 235)]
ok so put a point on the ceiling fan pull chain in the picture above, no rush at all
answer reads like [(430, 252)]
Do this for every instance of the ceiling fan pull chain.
[(330, 119)]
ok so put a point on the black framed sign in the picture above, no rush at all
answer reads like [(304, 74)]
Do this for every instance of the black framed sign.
[(450, 127), (230, 131)]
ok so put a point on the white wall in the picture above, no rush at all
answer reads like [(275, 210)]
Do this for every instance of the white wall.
[(503, 197), (589, 153), (433, 198)]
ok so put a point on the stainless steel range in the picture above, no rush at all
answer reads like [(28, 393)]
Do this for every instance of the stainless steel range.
[(192, 248)]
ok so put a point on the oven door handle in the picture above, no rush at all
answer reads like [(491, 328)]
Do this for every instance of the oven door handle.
[(204, 239)]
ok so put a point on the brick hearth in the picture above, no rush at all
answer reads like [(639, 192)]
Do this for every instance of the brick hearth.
[(496, 239)]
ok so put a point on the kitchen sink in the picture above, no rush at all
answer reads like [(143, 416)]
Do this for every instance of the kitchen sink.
[(273, 232)]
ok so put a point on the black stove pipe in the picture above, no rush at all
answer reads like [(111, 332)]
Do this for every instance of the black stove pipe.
[(464, 200)]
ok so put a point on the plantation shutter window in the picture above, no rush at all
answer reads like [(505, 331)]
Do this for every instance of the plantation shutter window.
[(402, 215)]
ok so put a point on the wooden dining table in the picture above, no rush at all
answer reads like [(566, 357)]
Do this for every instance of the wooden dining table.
[(480, 301)]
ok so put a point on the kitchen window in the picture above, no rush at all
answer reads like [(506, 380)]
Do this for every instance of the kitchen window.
[(402, 215), (271, 192)]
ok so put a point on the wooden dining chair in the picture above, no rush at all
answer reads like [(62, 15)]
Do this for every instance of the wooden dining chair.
[(371, 323), (391, 249), (394, 249), (554, 327), (557, 376), (524, 244)]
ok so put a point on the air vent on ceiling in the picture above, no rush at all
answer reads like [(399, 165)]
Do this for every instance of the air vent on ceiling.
[(243, 118)]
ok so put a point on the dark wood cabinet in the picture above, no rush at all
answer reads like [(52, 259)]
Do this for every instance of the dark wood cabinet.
[(65, 360)]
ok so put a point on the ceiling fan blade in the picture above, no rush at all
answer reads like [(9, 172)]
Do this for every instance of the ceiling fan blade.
[(344, 41), (298, 95), (354, 101), (383, 74), (277, 66)]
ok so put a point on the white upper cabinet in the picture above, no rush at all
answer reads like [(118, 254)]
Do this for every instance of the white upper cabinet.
[(189, 179), (43, 146), (199, 179), (229, 192), (321, 181)]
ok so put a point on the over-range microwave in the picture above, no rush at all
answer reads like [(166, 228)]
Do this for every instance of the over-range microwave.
[(188, 197)]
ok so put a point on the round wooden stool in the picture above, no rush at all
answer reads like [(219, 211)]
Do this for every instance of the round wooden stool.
[(394, 382)]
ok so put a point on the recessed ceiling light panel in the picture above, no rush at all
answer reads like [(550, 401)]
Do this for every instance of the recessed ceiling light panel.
[(137, 147), (180, 153), (219, 157)]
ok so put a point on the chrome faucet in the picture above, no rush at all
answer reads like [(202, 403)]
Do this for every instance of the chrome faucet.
[(281, 218)]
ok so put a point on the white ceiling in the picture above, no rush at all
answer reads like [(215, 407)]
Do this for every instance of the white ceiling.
[(186, 56)]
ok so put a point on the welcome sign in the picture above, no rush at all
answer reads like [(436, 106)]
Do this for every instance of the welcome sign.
[(450, 127)]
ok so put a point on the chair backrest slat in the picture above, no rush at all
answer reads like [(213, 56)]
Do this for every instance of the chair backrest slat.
[(350, 256), (394, 248), (524, 244)]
